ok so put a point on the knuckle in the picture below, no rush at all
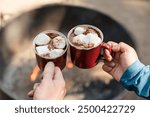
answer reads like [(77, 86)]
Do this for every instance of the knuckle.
[(121, 43), (110, 42)]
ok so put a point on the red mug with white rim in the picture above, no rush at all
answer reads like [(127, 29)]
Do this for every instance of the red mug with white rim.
[(83, 55), (51, 46)]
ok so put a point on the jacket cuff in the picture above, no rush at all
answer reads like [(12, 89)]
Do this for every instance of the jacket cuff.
[(130, 72)]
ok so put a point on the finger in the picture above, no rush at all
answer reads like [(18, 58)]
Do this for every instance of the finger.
[(114, 45), (107, 68), (110, 64), (49, 71), (31, 93), (117, 56), (36, 85), (63, 94), (108, 56), (111, 43), (122, 47), (58, 78)]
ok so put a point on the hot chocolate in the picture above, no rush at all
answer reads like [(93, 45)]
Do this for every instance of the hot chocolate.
[(85, 37), (51, 46)]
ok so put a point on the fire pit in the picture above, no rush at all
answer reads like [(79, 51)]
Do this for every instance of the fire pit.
[(17, 60)]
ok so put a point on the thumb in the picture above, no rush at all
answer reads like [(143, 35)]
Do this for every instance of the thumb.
[(58, 76), (48, 72)]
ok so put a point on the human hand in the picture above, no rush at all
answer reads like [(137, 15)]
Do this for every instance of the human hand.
[(52, 86), (124, 56)]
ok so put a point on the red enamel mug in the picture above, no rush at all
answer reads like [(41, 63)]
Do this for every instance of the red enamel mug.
[(87, 57), (59, 61)]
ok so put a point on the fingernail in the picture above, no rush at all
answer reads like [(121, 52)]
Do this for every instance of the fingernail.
[(49, 64)]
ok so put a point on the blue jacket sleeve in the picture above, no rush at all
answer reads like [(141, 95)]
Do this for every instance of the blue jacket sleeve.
[(137, 78)]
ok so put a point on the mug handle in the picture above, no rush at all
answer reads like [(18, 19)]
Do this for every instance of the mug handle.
[(103, 47)]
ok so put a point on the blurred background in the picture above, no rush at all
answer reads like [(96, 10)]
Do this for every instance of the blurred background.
[(21, 21)]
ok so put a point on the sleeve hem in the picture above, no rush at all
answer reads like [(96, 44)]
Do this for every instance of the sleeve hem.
[(131, 71)]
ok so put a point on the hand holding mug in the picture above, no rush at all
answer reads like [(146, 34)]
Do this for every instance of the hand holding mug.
[(52, 86), (124, 56)]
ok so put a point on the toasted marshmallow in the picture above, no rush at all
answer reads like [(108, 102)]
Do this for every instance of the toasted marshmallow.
[(92, 38), (78, 39), (42, 39), (55, 53), (79, 30), (42, 50), (59, 42)]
